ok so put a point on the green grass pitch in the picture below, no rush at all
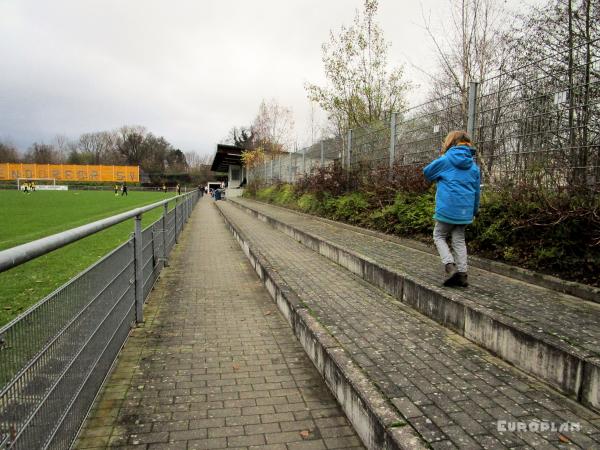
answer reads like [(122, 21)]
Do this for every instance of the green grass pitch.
[(26, 217)]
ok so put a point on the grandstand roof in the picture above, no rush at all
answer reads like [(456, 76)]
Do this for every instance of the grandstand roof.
[(225, 156)]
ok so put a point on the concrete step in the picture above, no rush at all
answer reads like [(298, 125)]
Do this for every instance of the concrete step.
[(403, 380), (548, 334)]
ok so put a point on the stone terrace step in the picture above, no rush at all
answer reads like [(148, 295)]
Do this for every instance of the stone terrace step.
[(551, 335), (448, 389)]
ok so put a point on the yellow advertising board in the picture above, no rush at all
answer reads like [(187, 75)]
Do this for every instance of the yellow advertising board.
[(70, 172)]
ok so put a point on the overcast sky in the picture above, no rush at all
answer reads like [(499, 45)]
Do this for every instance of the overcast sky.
[(188, 70)]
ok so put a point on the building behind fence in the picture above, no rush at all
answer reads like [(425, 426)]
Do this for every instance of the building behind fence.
[(55, 357), (537, 125)]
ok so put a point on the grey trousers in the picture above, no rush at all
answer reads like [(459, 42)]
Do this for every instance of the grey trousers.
[(441, 232)]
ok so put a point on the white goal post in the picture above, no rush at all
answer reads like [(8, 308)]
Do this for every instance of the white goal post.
[(25, 179)]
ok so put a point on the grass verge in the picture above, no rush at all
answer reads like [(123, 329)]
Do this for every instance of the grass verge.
[(29, 217)]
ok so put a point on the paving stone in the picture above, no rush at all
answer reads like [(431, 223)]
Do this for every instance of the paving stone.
[(207, 444), (196, 433), (287, 436), (344, 442), (148, 438), (262, 428), (279, 417), (207, 369), (300, 425), (246, 440)]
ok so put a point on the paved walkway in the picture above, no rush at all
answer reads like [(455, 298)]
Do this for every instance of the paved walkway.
[(215, 365), (449, 390), (570, 320)]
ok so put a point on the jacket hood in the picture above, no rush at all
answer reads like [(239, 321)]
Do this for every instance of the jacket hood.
[(461, 156)]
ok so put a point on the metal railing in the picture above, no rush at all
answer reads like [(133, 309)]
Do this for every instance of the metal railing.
[(55, 357)]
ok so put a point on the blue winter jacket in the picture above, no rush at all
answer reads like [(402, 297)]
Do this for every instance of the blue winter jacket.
[(457, 177)]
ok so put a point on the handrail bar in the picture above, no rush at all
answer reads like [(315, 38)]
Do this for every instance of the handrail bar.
[(20, 254)]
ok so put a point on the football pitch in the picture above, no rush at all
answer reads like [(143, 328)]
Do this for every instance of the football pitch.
[(26, 217)]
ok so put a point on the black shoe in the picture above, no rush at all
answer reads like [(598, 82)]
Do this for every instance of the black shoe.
[(451, 275), (462, 279)]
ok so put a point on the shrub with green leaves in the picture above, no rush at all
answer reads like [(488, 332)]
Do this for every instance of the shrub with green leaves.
[(308, 203), (266, 194), (547, 232), (284, 195), (351, 208)]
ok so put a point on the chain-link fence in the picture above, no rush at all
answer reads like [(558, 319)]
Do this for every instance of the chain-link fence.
[(55, 357), (537, 124), (287, 167), (540, 124)]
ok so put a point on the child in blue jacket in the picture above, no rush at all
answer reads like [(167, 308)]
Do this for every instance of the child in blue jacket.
[(456, 202)]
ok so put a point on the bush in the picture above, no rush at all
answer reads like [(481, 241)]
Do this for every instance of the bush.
[(350, 207), (551, 233), (414, 213), (266, 194), (556, 233), (284, 195), (330, 180), (252, 188), (308, 203)]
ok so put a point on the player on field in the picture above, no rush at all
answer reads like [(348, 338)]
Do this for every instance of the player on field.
[(124, 189)]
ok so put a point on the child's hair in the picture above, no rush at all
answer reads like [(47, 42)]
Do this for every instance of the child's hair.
[(454, 138)]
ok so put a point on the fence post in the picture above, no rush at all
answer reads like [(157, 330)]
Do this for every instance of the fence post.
[(175, 216), (473, 85), (349, 148), (139, 275), (304, 161), (322, 153), (291, 180), (164, 228), (279, 168), (187, 207), (185, 211), (271, 177), (392, 139)]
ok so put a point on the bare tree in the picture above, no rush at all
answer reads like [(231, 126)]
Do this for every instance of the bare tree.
[(129, 144), (274, 127), (63, 145), (197, 160), (8, 152), (97, 145), (41, 153), (243, 137), (470, 49)]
